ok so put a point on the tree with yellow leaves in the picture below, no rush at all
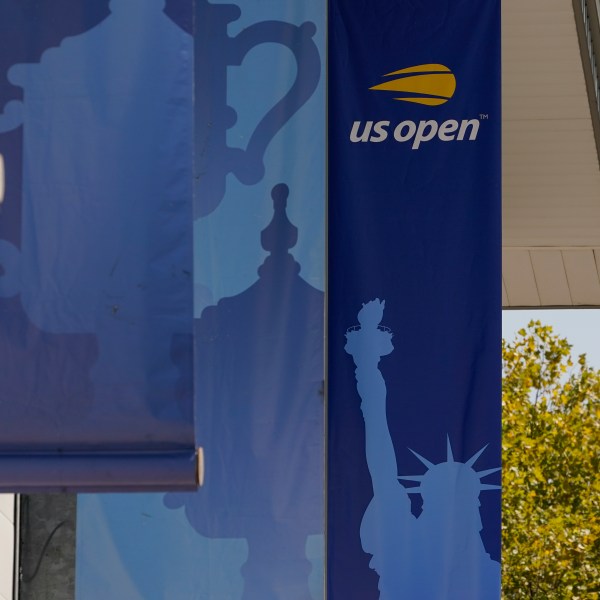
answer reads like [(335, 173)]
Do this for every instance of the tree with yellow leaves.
[(551, 470)]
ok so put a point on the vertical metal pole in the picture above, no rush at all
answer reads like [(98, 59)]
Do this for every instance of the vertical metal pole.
[(16, 545)]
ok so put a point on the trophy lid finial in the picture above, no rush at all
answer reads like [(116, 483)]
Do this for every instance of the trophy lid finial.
[(279, 235)]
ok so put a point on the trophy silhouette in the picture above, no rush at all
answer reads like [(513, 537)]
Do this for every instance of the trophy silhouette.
[(259, 378), (108, 175), (106, 208)]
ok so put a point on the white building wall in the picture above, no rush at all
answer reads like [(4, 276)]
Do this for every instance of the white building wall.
[(6, 545)]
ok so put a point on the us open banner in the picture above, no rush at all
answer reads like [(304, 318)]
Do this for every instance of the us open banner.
[(96, 293), (414, 300)]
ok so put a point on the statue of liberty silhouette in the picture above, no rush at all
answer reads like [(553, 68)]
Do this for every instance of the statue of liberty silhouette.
[(438, 555)]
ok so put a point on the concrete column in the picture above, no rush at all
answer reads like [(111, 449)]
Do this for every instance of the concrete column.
[(47, 547)]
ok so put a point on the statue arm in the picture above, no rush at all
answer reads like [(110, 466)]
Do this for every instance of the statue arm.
[(367, 344), (379, 449)]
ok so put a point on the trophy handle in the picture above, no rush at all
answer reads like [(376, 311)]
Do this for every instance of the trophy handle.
[(249, 166), (12, 117), (10, 256), (10, 270)]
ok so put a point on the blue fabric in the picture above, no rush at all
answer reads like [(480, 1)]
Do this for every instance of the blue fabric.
[(414, 300), (96, 292), (255, 530)]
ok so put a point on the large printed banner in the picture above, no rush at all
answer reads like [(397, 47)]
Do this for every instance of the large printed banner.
[(254, 530), (96, 293), (414, 300)]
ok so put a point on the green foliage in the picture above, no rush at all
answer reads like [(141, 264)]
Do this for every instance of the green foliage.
[(551, 455)]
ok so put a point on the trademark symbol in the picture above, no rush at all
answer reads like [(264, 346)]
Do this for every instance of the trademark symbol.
[(483, 117)]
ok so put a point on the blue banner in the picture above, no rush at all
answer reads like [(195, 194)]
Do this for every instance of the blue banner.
[(96, 293), (255, 529), (414, 300)]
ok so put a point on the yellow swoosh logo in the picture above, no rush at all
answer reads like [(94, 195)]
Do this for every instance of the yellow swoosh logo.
[(430, 84)]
